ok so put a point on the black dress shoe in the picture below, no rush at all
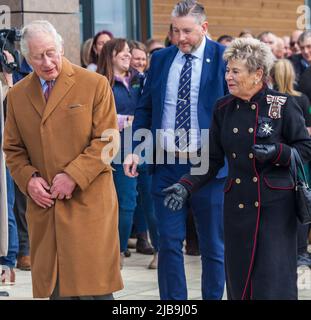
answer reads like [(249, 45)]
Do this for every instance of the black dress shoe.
[(143, 246), (127, 253), (193, 252)]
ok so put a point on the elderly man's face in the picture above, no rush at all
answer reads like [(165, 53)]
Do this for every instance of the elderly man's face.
[(305, 48), (240, 81), (44, 57), (187, 33)]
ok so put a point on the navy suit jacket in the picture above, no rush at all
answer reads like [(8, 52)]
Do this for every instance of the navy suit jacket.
[(149, 111)]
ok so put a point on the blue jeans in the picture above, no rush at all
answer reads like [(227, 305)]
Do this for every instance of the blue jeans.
[(145, 205), (127, 193), (10, 259)]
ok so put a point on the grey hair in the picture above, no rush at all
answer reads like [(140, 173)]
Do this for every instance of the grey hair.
[(191, 8), (305, 35), (36, 27), (256, 54)]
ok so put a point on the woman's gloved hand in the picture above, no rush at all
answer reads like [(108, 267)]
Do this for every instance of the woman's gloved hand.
[(265, 152), (176, 197)]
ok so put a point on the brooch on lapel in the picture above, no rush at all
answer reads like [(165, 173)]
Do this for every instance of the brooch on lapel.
[(276, 103), (265, 128)]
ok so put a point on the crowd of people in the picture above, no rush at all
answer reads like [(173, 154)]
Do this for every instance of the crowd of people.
[(70, 209)]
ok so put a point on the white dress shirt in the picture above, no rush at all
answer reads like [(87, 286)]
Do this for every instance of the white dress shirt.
[(170, 102)]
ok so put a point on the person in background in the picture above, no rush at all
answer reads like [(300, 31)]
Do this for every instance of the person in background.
[(268, 38), (246, 34), (254, 128), (139, 54), (294, 46), (144, 217), (279, 48), (287, 49), (85, 53), (8, 260), (114, 63), (225, 40), (153, 45), (302, 60), (99, 40), (283, 77)]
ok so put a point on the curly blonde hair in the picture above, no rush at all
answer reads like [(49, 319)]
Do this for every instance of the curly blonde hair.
[(256, 54)]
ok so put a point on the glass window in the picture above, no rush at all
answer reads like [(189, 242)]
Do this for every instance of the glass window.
[(111, 15)]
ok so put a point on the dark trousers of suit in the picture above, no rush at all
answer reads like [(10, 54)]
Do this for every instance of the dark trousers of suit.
[(20, 212), (55, 295), (207, 207)]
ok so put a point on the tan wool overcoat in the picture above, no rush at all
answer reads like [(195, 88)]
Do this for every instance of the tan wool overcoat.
[(77, 239)]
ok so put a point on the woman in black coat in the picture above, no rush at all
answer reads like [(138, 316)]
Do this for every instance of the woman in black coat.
[(254, 128)]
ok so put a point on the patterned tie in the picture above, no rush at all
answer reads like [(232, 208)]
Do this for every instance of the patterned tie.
[(48, 90), (183, 121)]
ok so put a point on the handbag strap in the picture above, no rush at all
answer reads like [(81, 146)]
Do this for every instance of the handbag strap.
[(293, 166)]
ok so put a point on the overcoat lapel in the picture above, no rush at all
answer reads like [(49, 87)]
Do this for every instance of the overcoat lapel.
[(35, 94), (62, 85)]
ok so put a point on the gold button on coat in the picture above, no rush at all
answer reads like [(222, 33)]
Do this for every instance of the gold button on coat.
[(256, 204), (235, 130), (250, 130), (241, 206), (237, 181), (253, 107), (251, 155), (255, 179)]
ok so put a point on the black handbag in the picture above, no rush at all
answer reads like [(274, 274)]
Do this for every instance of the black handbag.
[(302, 189)]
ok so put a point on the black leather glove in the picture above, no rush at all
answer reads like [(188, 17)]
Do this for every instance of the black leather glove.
[(177, 196), (265, 152)]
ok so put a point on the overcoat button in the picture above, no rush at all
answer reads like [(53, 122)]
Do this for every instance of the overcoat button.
[(250, 130), (241, 206), (253, 107), (237, 181), (255, 179), (256, 204), (251, 155), (235, 130), (233, 155)]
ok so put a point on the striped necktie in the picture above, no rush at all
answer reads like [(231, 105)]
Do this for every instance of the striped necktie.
[(183, 107), (48, 90)]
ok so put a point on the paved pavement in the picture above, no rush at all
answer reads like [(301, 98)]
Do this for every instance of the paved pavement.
[(140, 283)]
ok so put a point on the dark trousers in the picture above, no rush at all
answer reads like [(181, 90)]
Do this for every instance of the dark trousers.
[(22, 229), (207, 207), (55, 296), (303, 237)]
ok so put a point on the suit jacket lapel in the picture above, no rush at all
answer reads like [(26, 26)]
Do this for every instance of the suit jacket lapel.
[(206, 67), (62, 85), (35, 94)]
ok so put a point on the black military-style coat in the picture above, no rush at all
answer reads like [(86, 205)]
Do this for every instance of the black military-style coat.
[(259, 209)]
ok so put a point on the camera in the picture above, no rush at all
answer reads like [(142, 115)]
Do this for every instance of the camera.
[(8, 37)]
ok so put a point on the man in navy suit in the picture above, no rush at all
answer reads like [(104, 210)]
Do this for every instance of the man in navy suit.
[(159, 109)]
